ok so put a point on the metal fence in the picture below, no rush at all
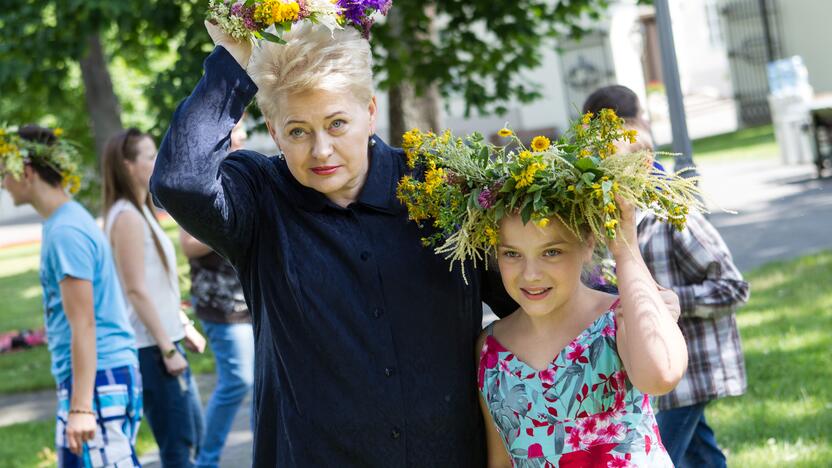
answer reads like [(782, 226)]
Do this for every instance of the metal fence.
[(752, 33)]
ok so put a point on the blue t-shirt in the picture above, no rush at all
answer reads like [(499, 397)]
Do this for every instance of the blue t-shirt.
[(74, 245)]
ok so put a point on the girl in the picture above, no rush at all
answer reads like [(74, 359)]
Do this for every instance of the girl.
[(146, 263), (565, 380)]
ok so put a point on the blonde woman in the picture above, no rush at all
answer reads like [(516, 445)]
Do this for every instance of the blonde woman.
[(146, 263), (363, 337)]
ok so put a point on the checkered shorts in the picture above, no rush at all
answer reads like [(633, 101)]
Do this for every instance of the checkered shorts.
[(117, 402)]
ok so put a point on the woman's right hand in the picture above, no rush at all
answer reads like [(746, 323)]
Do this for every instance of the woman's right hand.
[(176, 364), (239, 49)]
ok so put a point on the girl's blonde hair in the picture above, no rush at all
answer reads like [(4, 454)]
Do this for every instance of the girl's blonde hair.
[(313, 58)]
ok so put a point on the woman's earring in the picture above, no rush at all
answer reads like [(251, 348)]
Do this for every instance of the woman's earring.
[(372, 142), (281, 156)]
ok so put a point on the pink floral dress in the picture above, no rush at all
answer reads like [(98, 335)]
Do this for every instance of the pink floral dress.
[(581, 411)]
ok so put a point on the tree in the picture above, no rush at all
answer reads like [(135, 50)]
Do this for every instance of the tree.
[(53, 38), (477, 49)]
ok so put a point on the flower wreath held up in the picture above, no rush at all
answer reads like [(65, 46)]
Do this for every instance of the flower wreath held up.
[(469, 185), (253, 19)]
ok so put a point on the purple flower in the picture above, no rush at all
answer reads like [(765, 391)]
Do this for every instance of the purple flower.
[(358, 12), (487, 198)]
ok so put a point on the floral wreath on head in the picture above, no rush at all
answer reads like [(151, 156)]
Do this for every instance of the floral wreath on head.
[(469, 185), (250, 19), (61, 156)]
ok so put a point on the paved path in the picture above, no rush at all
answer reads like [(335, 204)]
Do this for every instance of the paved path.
[(784, 212)]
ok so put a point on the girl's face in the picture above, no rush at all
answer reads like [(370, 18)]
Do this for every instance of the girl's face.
[(324, 136), (142, 168), (540, 266)]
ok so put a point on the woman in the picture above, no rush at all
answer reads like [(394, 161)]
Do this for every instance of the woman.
[(146, 263), (362, 336), (217, 298)]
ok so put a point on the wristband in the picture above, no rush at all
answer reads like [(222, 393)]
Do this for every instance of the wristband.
[(169, 353), (81, 411)]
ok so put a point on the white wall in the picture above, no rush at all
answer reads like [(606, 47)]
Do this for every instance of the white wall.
[(805, 26)]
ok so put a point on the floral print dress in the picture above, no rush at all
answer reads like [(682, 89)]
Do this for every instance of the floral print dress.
[(581, 411)]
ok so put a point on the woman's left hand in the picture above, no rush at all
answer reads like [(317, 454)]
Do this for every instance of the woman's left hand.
[(626, 237), (194, 341)]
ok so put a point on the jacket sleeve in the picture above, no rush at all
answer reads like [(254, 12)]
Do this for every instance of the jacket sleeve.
[(713, 284), (215, 202)]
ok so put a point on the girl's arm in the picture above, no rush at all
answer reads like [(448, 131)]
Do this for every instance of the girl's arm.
[(650, 342), (497, 454), (127, 237)]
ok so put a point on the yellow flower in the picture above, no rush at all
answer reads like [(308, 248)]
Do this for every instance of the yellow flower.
[(609, 208), (543, 222), (611, 224), (525, 155), (58, 132), (526, 177), (571, 188), (433, 179), (276, 11), (586, 118), (585, 152), (491, 235), (608, 115), (505, 133), (540, 143), (631, 135)]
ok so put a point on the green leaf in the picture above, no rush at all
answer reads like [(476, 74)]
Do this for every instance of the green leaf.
[(585, 164), (526, 212), (499, 210), (588, 178), (534, 188), (272, 37), (508, 186)]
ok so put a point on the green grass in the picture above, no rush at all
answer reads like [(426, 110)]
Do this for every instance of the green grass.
[(747, 144), (785, 418), (32, 444), (22, 308)]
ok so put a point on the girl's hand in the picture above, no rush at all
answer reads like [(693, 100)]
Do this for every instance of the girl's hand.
[(194, 341), (80, 427), (626, 237), (176, 364), (239, 49), (671, 300)]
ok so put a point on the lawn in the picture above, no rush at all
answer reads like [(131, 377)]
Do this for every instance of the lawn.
[(745, 144), (785, 418), (32, 445), (22, 308)]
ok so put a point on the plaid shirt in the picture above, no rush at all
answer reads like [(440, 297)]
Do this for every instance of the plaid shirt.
[(696, 264)]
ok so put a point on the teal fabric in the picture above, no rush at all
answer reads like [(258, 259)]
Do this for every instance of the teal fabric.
[(580, 411)]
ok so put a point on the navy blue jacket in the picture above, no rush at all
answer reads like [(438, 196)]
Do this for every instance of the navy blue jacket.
[(364, 338)]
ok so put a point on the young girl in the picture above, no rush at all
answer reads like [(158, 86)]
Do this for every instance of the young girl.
[(146, 263), (565, 379)]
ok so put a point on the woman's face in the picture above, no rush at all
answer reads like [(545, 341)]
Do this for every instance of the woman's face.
[(540, 266), (324, 137), (142, 168)]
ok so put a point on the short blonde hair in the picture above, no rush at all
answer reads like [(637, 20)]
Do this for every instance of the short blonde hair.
[(312, 58)]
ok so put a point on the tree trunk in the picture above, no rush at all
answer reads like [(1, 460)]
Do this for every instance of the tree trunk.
[(407, 109), (102, 103)]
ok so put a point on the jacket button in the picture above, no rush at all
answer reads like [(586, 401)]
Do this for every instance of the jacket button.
[(365, 255), (378, 312), (389, 371), (395, 433)]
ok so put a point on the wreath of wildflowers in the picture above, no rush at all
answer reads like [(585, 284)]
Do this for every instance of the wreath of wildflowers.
[(250, 19), (61, 156), (469, 185)]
